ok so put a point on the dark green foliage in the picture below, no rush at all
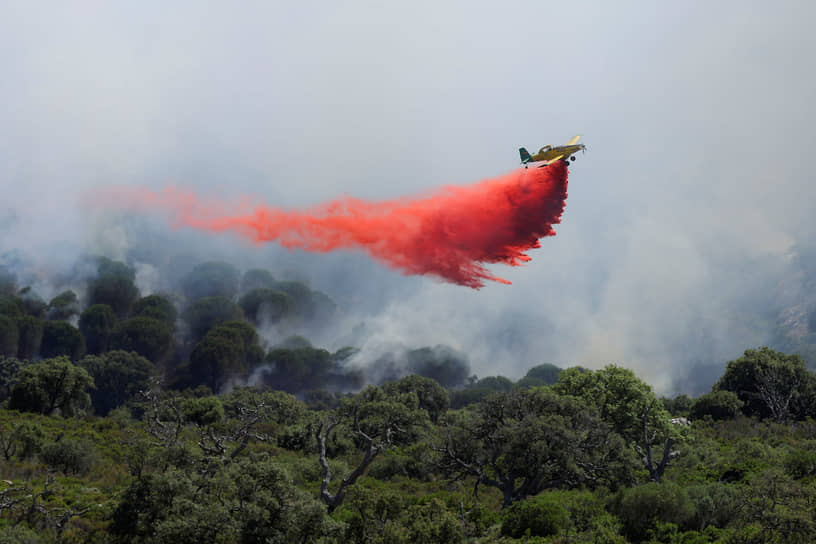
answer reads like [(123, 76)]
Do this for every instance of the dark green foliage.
[(529, 440), (8, 281), (9, 336), (543, 515), (266, 305), (494, 383), (249, 337), (96, 324), (257, 278), (717, 405), (801, 463), (32, 302), (277, 406), (61, 338), (629, 405), (19, 534), (771, 384), (322, 400), (344, 354), (293, 342), (432, 397), (63, 306), (205, 313), (781, 509), (51, 385), (31, 334), (298, 369), (9, 367), (202, 411), (226, 351), (22, 440), (251, 500), (715, 504), (150, 338), (467, 396), (679, 405), (69, 456), (114, 285), (157, 307), (11, 306), (425, 523), (211, 279), (448, 367), (641, 508), (543, 374), (118, 376)]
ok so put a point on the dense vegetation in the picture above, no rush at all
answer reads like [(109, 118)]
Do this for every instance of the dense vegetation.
[(166, 418)]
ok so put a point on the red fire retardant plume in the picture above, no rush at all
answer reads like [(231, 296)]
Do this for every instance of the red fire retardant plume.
[(451, 234)]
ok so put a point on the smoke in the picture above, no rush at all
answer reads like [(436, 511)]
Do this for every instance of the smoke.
[(450, 234)]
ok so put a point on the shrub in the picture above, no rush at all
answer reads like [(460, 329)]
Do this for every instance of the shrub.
[(69, 456), (718, 405), (543, 515), (641, 509)]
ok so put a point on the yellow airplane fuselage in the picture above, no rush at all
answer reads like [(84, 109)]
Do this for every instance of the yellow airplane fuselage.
[(549, 153)]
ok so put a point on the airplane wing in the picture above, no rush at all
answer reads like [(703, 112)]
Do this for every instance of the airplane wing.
[(574, 140), (549, 162)]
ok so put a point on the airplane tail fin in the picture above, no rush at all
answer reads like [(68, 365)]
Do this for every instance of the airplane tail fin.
[(525, 156)]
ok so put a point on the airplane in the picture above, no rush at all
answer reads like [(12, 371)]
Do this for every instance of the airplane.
[(549, 154)]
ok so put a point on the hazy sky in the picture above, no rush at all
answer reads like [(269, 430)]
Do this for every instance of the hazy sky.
[(698, 118)]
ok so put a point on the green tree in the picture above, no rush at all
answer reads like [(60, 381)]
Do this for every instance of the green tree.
[(425, 523), (494, 384), (432, 397), (298, 369), (156, 307), (119, 376), (642, 508), (61, 338), (630, 406), (543, 515), (8, 281), (31, 335), (63, 306), (679, 405), (96, 324), (69, 456), (211, 279), (52, 385), (443, 364), (717, 405), (248, 500), (529, 440), (32, 302), (217, 358), (205, 313), (9, 369), (11, 306), (150, 338), (266, 305), (771, 384), (21, 440), (227, 351), (377, 421), (114, 285), (544, 374), (9, 336), (257, 278)]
